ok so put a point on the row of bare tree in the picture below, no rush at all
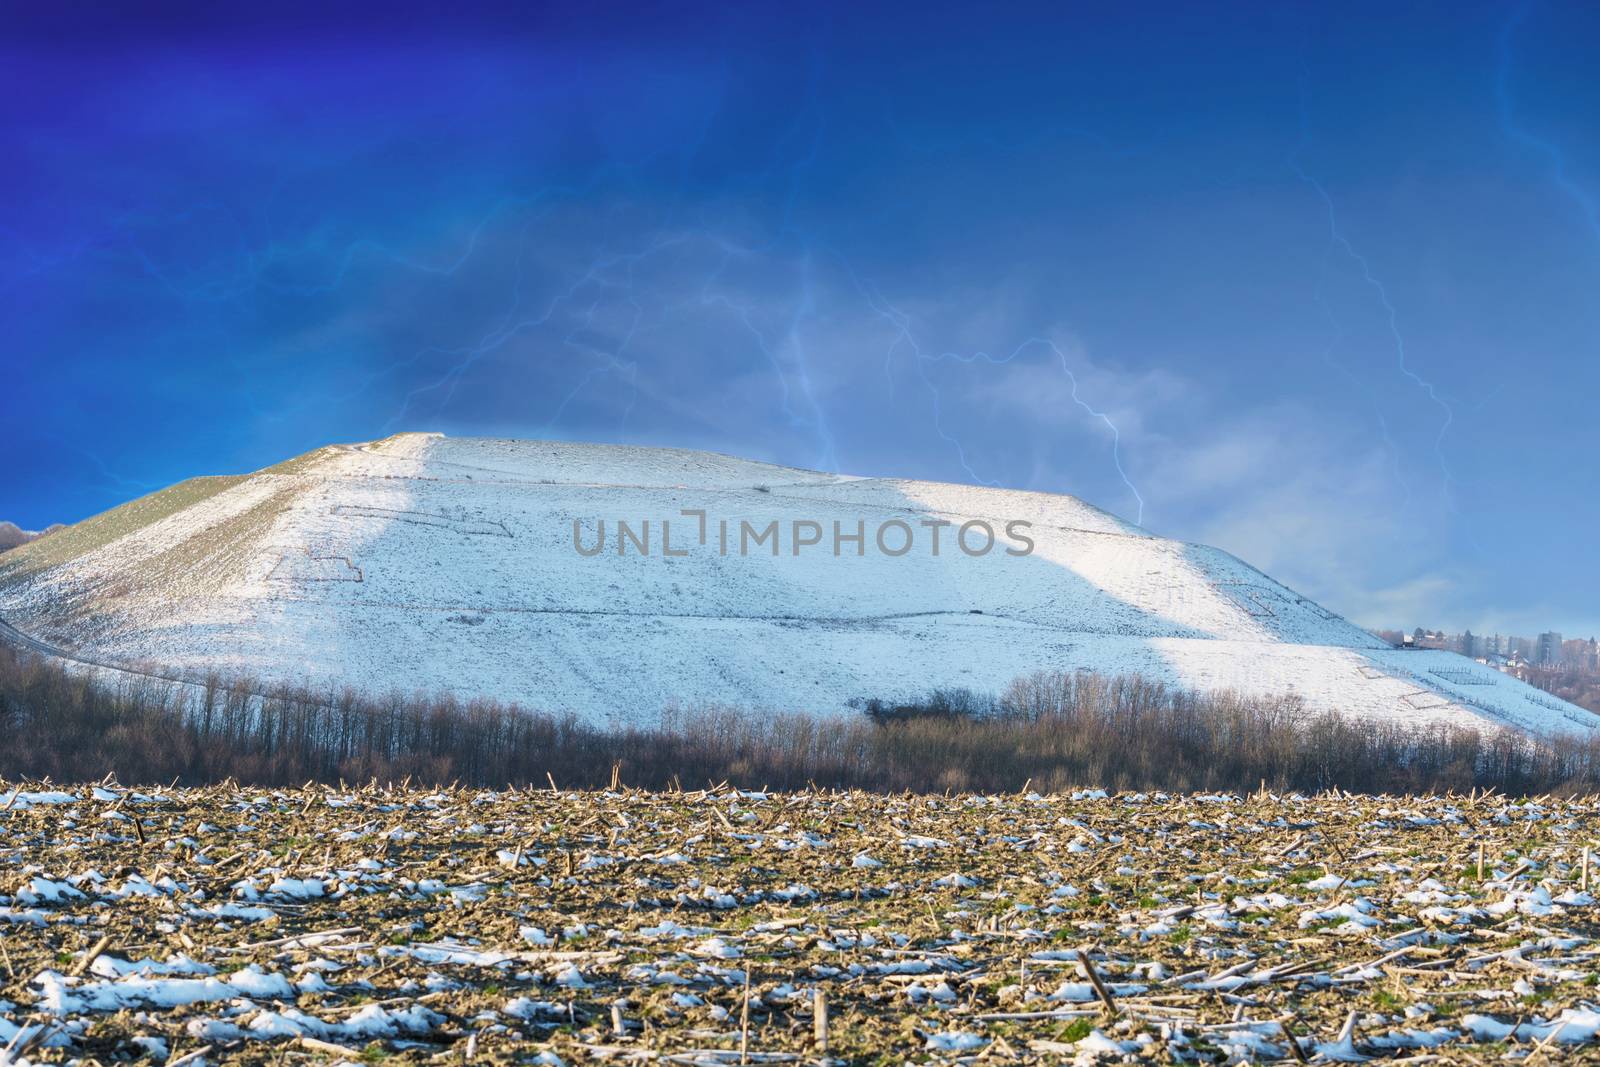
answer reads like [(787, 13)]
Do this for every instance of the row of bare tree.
[(1056, 730)]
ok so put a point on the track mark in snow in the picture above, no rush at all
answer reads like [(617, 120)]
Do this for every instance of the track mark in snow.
[(308, 568), (1254, 600), (475, 527)]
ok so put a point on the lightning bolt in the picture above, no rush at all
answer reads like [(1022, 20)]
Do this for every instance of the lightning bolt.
[(512, 327), (249, 254), (904, 335), (1337, 239), (1505, 107)]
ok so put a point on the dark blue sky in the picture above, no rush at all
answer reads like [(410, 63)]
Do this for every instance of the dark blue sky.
[(1312, 283)]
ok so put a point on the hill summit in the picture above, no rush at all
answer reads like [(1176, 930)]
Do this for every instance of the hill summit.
[(615, 581)]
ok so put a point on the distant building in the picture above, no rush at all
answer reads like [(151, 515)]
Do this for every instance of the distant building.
[(1430, 638), (1517, 664), (1548, 654)]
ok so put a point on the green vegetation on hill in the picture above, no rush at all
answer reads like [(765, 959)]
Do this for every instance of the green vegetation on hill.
[(71, 542), (302, 463), (68, 544)]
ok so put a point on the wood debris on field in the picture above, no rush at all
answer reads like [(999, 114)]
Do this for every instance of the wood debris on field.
[(542, 926)]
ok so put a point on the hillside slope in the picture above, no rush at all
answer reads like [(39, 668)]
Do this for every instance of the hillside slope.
[(425, 562)]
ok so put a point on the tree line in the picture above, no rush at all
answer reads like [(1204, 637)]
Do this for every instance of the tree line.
[(1049, 731)]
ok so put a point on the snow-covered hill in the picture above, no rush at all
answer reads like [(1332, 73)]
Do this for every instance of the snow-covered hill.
[(425, 562)]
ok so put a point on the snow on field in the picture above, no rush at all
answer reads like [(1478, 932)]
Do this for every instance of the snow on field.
[(423, 563), (1027, 928)]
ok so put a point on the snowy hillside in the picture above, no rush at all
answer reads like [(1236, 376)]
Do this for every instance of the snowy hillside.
[(425, 562)]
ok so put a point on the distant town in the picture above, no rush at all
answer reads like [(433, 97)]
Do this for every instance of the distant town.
[(1565, 667)]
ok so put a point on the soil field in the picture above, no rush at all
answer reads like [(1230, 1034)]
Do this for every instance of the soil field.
[(367, 925)]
